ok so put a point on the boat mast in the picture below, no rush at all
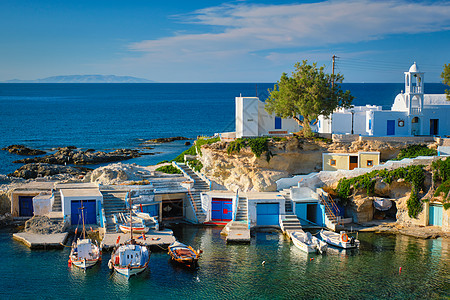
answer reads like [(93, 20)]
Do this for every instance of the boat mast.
[(131, 217), (82, 217)]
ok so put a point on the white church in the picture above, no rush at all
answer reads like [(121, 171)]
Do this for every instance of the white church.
[(412, 114)]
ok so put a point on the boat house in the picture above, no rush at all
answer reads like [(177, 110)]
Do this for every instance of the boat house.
[(349, 161)]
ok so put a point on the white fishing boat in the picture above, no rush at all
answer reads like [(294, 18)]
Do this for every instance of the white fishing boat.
[(341, 239), (84, 253), (305, 241), (131, 257)]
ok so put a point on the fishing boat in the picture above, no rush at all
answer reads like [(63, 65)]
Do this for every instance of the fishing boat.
[(131, 257), (305, 241), (137, 228), (184, 254), (341, 239), (84, 253)]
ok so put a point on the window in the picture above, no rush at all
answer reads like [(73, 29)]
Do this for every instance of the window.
[(277, 123), (370, 124), (370, 163), (332, 162)]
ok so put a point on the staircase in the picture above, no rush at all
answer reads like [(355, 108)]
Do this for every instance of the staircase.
[(289, 222), (57, 205), (241, 214), (194, 194), (113, 203), (332, 221)]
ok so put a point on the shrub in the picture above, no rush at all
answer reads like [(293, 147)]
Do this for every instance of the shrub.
[(169, 169), (414, 151), (196, 165), (257, 145)]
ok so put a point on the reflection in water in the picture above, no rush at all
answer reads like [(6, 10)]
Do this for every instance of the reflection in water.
[(236, 271)]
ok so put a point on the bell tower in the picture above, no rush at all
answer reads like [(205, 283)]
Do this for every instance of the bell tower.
[(414, 90)]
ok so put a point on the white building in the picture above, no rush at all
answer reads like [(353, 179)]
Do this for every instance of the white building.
[(253, 120), (413, 113)]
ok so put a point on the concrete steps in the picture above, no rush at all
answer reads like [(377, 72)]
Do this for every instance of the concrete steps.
[(199, 186), (241, 214), (57, 204), (237, 232), (113, 203), (290, 223)]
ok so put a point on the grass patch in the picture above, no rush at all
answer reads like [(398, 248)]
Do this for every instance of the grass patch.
[(196, 165)]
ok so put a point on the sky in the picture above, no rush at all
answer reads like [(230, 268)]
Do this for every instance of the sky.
[(222, 41)]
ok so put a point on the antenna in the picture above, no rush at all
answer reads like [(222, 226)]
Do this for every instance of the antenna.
[(332, 69)]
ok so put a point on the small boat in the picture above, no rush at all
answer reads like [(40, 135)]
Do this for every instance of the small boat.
[(130, 258), (84, 253), (341, 239), (137, 228), (305, 241), (184, 254)]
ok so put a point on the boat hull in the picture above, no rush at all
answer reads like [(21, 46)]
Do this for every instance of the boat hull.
[(130, 271), (130, 259), (184, 255), (127, 229), (334, 239), (84, 254), (84, 264)]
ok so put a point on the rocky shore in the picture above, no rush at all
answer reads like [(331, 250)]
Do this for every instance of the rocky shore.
[(69, 155), (23, 150), (35, 170)]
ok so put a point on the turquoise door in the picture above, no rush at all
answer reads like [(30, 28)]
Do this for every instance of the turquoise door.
[(267, 214), (435, 215)]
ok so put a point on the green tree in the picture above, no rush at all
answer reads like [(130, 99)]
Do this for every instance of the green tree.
[(309, 92), (445, 75)]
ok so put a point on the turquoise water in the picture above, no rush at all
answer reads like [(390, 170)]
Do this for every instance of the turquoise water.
[(236, 272)]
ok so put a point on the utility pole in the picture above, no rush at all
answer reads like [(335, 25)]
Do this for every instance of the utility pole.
[(332, 72)]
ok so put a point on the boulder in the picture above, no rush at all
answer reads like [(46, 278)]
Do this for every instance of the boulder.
[(166, 140), (117, 173)]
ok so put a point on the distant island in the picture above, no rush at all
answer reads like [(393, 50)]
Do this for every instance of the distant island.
[(84, 79)]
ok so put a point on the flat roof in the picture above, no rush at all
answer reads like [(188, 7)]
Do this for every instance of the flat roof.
[(80, 185), (249, 195), (81, 193)]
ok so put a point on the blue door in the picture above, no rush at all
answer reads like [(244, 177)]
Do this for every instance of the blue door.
[(152, 209), (390, 127), (26, 206), (221, 209), (267, 214), (278, 123), (90, 215), (435, 215)]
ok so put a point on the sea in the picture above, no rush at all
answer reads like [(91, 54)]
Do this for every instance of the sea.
[(112, 116), (385, 267)]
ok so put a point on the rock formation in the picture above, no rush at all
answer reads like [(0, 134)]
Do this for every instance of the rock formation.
[(68, 155), (34, 170), (23, 150), (117, 173), (292, 156), (44, 225)]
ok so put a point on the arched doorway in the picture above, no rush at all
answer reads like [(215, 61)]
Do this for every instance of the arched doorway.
[(415, 126)]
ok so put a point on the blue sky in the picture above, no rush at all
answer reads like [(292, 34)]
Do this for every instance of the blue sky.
[(222, 41)]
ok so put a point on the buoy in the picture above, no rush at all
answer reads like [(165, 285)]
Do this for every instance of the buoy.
[(400, 270), (69, 263), (263, 263), (312, 258)]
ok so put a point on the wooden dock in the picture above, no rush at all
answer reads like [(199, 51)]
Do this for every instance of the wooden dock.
[(155, 240), (42, 241)]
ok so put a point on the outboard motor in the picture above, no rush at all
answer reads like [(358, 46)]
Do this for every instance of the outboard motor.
[(352, 241)]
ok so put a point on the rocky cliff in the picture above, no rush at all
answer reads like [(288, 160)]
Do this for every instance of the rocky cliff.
[(290, 156)]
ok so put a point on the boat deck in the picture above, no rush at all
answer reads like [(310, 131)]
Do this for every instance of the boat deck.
[(155, 240), (42, 241)]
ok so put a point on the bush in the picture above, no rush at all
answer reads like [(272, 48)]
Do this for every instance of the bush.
[(257, 145), (196, 165), (414, 151), (169, 169)]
